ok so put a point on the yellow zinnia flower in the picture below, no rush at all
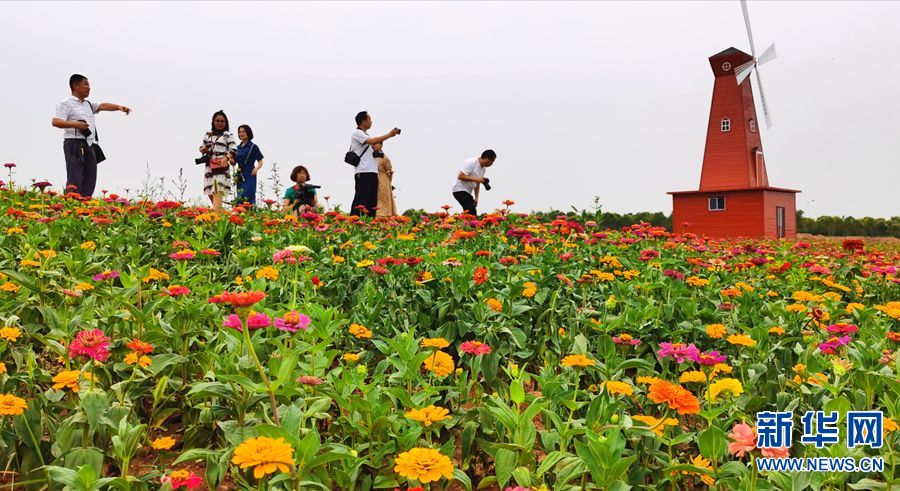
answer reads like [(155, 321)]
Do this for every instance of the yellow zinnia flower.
[(67, 379), (351, 357), (615, 387), (530, 289), (438, 343), (494, 305), (726, 385), (268, 273), (577, 361), (266, 455), (11, 405), (716, 331), (10, 334), (360, 331), (741, 340), (777, 330), (440, 363), (693, 376), (428, 415), (164, 443), (424, 465)]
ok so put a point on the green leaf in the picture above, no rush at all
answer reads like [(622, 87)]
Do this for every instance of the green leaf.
[(516, 392), (712, 443), (505, 463), (94, 404)]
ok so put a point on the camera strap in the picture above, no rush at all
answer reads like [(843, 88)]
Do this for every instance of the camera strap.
[(365, 149), (96, 134)]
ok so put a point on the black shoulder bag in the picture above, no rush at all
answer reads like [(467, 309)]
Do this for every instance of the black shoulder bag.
[(351, 157), (98, 152)]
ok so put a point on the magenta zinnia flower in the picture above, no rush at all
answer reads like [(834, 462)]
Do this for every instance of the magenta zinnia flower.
[(91, 343), (257, 320), (709, 358), (292, 321), (233, 321), (842, 329), (106, 275), (831, 346), (678, 351), (475, 348), (175, 291)]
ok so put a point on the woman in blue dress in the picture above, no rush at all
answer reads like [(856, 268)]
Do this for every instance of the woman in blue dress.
[(249, 159)]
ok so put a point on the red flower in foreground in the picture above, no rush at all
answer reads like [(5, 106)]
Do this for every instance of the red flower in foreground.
[(182, 478), (141, 347), (91, 343), (480, 275)]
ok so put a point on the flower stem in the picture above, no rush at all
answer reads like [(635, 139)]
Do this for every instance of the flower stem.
[(262, 372)]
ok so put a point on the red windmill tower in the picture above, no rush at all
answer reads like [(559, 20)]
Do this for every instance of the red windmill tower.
[(735, 198)]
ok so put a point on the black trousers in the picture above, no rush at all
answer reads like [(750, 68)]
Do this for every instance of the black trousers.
[(81, 166), (366, 193), (466, 200)]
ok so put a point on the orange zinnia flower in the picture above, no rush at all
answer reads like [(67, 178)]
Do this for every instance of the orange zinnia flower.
[(676, 396)]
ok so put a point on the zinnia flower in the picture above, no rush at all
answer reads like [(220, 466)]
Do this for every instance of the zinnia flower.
[(311, 380), (744, 437), (675, 396), (530, 289), (67, 379), (292, 321), (715, 331), (709, 358), (11, 405), (741, 340), (163, 443), (106, 275), (183, 478), (726, 385), (475, 348), (238, 299), (494, 305), (266, 455), (480, 275), (428, 415), (140, 347), (614, 387), (440, 363), (360, 331), (578, 361), (10, 334), (91, 343), (424, 465), (438, 343), (678, 351)]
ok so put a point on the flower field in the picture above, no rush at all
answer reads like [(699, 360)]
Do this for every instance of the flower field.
[(160, 346)]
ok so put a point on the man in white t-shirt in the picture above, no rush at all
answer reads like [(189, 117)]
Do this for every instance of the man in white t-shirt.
[(470, 178), (366, 175), (75, 115)]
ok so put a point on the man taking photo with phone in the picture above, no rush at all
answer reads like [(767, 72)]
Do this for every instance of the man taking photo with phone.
[(470, 179)]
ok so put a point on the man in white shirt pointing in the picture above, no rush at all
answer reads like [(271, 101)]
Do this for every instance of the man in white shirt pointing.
[(75, 115), (366, 174), (470, 179)]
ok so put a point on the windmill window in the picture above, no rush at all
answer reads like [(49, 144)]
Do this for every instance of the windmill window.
[(726, 125), (753, 126), (716, 203)]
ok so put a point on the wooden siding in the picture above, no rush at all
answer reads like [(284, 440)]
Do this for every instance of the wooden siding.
[(742, 217), (774, 199)]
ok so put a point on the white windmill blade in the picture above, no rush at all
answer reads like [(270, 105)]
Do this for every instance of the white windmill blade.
[(762, 98), (744, 70), (767, 56), (747, 23)]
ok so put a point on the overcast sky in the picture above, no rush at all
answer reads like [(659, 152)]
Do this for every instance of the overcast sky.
[(578, 99)]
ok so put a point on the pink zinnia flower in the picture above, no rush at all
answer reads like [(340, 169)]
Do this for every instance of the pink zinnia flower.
[(744, 437), (258, 320), (106, 275), (678, 351), (91, 343), (9, 165), (831, 346), (292, 321), (183, 255), (210, 252), (709, 358), (626, 339), (233, 321), (842, 329), (475, 348), (284, 255)]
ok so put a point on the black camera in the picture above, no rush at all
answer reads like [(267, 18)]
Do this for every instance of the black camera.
[(487, 184), (202, 160), (398, 130), (86, 131), (307, 185)]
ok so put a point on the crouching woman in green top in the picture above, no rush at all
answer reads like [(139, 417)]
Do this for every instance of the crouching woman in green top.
[(301, 196)]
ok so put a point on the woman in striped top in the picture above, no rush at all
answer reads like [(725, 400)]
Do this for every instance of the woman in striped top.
[(220, 146)]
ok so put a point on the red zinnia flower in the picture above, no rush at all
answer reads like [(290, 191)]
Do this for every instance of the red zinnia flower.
[(238, 299), (475, 348), (139, 346), (480, 275)]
